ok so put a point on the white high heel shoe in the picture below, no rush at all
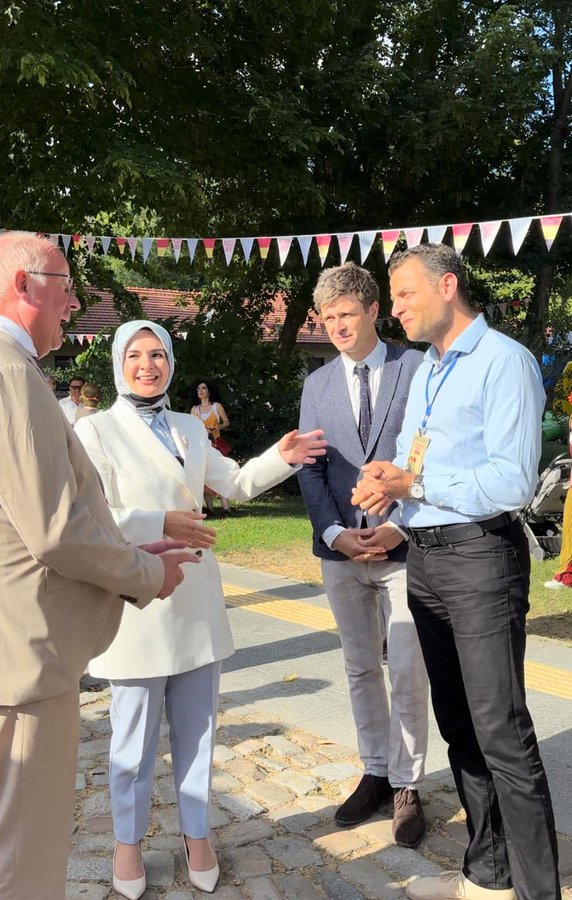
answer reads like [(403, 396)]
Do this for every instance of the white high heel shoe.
[(132, 889), (204, 881)]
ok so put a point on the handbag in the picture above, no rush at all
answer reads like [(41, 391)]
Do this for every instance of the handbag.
[(222, 446)]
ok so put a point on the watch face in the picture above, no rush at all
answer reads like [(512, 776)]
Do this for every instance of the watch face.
[(417, 491)]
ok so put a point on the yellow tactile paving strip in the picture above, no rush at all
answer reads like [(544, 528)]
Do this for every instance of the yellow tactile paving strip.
[(539, 677)]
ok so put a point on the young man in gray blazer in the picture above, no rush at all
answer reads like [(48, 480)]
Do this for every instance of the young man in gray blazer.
[(359, 399)]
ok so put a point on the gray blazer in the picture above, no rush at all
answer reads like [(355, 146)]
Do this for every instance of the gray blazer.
[(326, 485)]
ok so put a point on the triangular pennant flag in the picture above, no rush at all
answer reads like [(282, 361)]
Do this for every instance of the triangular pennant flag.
[(490, 309), (305, 241), (413, 236), (132, 244), (323, 242), (120, 241), (366, 239), (90, 243), (436, 233), (106, 337), (162, 246), (246, 244), (489, 231), (208, 244), (71, 337), (228, 245), (80, 339), (90, 338), (263, 245), (502, 307), (550, 226), (460, 236), (177, 243), (344, 244), (53, 239), (76, 238), (389, 239), (147, 244), (284, 244), (519, 230), (192, 245), (105, 243), (66, 238)]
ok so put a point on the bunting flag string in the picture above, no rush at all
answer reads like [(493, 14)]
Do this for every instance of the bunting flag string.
[(550, 225)]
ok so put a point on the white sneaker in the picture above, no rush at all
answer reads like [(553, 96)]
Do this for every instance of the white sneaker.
[(453, 886), (554, 585)]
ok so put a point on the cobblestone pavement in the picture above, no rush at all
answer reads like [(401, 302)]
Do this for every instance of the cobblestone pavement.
[(275, 791)]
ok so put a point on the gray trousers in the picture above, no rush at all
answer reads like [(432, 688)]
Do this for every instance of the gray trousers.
[(369, 601), (137, 706)]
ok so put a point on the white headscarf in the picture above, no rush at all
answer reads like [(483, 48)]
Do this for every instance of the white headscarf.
[(122, 337)]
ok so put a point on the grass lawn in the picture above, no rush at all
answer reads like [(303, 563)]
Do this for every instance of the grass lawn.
[(273, 534)]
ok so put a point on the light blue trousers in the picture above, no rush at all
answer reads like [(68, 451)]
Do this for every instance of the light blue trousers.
[(136, 709)]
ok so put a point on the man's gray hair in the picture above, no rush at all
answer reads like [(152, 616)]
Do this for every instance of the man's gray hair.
[(438, 260)]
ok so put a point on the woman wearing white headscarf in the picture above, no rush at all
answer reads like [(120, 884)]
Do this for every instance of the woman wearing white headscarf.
[(153, 464)]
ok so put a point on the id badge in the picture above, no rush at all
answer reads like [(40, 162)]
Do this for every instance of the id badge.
[(417, 452)]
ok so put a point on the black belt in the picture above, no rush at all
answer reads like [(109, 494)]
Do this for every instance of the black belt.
[(443, 535)]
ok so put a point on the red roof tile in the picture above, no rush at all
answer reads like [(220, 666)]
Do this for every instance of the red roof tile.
[(158, 304)]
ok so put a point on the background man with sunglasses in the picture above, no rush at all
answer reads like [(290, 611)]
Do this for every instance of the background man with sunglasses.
[(71, 404), (65, 572)]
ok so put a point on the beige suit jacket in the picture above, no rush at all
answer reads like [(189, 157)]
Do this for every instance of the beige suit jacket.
[(63, 560), (142, 479)]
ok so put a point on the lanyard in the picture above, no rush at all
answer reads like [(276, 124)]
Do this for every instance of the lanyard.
[(429, 405)]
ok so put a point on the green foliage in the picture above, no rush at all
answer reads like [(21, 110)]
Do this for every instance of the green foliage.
[(225, 344)]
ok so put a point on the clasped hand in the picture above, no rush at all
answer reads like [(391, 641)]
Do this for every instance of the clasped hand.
[(364, 544), (382, 483)]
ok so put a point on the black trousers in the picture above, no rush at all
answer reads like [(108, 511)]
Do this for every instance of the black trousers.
[(469, 602)]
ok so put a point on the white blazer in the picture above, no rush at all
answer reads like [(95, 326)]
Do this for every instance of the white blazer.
[(142, 480)]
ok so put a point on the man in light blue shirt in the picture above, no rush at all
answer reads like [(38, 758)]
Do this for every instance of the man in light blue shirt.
[(466, 461)]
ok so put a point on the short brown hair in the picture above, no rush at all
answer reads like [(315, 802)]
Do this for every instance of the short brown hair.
[(438, 260), (346, 279)]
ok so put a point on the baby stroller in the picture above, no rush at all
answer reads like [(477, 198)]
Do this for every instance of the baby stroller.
[(542, 518)]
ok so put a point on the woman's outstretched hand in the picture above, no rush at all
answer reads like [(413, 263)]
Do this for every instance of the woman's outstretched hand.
[(296, 448), (186, 525)]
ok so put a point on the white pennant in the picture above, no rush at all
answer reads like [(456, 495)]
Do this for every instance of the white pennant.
[(284, 244), (105, 242), (436, 233), (192, 245), (305, 241), (228, 245), (90, 243), (503, 308), (177, 243), (366, 239), (344, 243), (246, 244), (489, 231), (132, 244), (413, 236), (53, 239), (66, 239), (147, 244), (519, 230), (71, 337)]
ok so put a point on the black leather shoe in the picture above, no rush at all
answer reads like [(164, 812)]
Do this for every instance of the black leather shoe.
[(409, 823), (370, 794)]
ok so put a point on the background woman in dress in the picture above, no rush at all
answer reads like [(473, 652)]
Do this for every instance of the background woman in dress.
[(153, 465), (207, 406)]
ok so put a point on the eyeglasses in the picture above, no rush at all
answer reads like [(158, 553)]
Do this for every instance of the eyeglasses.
[(56, 275)]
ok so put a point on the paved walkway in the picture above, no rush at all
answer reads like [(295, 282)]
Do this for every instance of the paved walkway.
[(275, 789)]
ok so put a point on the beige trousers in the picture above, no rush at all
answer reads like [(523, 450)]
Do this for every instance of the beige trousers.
[(38, 759)]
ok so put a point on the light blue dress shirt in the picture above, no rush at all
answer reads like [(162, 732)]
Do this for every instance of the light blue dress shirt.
[(485, 429), (158, 425)]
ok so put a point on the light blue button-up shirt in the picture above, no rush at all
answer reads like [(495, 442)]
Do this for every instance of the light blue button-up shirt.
[(485, 429)]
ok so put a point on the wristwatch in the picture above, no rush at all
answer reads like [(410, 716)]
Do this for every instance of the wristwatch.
[(417, 491)]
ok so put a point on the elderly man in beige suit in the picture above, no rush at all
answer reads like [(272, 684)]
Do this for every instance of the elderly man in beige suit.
[(65, 573)]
